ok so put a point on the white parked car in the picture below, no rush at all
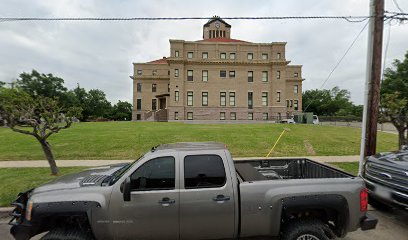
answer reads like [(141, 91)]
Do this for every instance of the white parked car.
[(315, 119)]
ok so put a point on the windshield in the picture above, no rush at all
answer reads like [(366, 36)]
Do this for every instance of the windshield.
[(119, 173)]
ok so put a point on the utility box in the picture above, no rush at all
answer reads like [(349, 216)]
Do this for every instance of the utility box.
[(306, 118)]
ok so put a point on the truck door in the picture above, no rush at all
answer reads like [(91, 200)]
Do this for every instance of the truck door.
[(206, 198), (153, 211)]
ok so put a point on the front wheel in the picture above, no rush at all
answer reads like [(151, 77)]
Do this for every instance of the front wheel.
[(306, 230)]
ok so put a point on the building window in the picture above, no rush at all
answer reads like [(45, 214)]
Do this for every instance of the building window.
[(278, 56), (205, 75), (250, 56), (176, 95), (296, 105), (139, 72), (223, 100), (291, 103), (278, 96), (154, 104), (250, 116), (176, 116), (265, 116), (189, 75), (264, 76), (204, 99), (278, 74), (189, 116), (223, 73), (154, 87), (168, 87), (176, 54), (264, 56), (232, 55), (168, 72), (233, 116), (223, 55), (138, 117), (287, 103), (176, 72), (296, 89), (250, 76), (232, 98), (189, 98), (250, 100), (139, 87), (190, 55), (139, 104), (296, 74), (205, 55), (232, 74), (264, 99), (222, 115)]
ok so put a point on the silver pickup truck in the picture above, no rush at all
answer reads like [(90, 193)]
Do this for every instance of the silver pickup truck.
[(196, 191)]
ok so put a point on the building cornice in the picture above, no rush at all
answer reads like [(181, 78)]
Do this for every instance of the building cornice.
[(295, 79), (150, 77), (227, 62)]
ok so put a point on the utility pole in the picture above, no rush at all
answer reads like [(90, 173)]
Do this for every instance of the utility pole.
[(373, 78)]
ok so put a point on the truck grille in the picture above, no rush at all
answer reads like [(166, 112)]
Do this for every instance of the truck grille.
[(387, 176)]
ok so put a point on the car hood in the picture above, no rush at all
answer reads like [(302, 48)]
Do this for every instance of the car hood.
[(397, 159), (90, 177)]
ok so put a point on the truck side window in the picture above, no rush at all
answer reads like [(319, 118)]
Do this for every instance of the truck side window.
[(156, 174), (203, 171)]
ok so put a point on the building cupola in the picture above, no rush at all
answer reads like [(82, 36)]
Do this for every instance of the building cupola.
[(216, 28)]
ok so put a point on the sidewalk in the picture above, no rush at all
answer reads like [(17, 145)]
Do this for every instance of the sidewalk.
[(95, 163)]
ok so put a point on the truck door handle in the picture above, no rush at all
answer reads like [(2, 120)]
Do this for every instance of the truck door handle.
[(221, 198), (165, 202)]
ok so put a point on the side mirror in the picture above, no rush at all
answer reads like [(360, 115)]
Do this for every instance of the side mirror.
[(126, 190)]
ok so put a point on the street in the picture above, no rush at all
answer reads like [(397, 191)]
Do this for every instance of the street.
[(392, 225)]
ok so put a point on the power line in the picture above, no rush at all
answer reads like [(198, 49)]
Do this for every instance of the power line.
[(22, 19), (339, 62), (397, 5)]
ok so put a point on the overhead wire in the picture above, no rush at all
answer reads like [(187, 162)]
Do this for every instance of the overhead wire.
[(339, 62)]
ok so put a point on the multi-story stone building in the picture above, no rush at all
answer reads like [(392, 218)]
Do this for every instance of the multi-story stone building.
[(218, 78)]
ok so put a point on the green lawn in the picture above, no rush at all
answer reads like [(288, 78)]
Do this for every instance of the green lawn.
[(15, 180), (127, 140)]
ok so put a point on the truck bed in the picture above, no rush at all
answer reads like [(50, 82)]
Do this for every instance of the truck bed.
[(275, 169)]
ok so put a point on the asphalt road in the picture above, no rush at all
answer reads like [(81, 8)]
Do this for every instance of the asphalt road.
[(392, 224)]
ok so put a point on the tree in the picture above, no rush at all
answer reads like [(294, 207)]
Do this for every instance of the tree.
[(334, 102), (394, 98), (40, 84), (96, 104), (2, 84), (122, 111), (39, 117)]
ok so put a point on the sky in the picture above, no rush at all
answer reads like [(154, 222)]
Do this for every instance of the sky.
[(99, 55)]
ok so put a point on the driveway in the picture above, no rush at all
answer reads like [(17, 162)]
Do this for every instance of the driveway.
[(392, 225)]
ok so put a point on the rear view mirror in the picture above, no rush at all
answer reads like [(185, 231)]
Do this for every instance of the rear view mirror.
[(126, 190)]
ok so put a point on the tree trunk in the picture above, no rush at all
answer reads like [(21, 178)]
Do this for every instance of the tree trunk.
[(50, 157), (402, 140)]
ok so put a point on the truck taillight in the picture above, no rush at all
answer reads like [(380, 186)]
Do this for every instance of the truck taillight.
[(363, 200)]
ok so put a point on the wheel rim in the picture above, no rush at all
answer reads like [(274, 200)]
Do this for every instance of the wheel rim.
[(307, 237)]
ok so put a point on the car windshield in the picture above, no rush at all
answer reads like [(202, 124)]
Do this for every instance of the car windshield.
[(119, 173)]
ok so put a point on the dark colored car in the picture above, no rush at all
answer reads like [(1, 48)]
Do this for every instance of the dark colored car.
[(386, 178)]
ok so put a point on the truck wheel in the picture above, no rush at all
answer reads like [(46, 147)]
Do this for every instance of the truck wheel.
[(306, 230), (71, 234)]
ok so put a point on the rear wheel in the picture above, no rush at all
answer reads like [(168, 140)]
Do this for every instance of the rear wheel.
[(306, 230), (67, 233)]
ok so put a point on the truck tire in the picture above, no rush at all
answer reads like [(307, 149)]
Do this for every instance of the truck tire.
[(306, 230), (67, 234)]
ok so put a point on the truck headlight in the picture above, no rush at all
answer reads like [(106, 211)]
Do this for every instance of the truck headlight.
[(29, 210)]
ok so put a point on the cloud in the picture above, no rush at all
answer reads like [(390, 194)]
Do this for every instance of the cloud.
[(100, 54)]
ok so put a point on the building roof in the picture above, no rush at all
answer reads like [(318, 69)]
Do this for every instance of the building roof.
[(222, 40), (159, 61), (216, 18)]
